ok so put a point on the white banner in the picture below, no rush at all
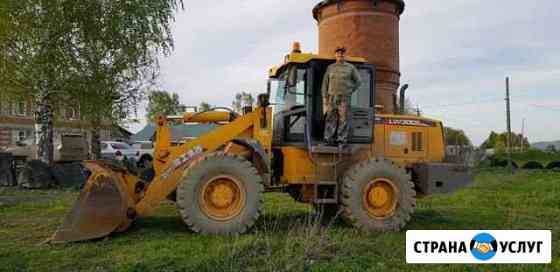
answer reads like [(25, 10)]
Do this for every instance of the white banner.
[(478, 246)]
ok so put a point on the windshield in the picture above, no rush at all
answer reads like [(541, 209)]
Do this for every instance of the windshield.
[(294, 95)]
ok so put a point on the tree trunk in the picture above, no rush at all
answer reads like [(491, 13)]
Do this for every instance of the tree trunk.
[(95, 141), (44, 129)]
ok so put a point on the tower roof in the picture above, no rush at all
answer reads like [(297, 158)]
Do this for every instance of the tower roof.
[(400, 4)]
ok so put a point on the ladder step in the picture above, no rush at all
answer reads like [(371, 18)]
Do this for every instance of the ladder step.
[(326, 182), (326, 201), (325, 192)]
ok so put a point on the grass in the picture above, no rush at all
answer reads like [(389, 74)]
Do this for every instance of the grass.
[(286, 238)]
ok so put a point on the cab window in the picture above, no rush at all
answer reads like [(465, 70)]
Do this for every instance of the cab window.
[(290, 89)]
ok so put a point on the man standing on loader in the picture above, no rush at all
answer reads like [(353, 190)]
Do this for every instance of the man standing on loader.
[(339, 82)]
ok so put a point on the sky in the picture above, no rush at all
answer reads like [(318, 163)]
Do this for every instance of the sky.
[(455, 56)]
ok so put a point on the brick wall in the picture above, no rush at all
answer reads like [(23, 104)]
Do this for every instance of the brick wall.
[(5, 137), (9, 135), (12, 123), (367, 29)]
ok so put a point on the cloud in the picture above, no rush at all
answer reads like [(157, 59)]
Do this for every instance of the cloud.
[(457, 54), (223, 47), (454, 54)]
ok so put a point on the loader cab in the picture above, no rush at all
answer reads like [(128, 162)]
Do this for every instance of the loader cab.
[(295, 93)]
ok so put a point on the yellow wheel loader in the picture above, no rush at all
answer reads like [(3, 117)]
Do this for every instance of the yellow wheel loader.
[(218, 179)]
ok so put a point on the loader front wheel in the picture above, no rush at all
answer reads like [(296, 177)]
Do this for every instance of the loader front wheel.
[(220, 194), (377, 195)]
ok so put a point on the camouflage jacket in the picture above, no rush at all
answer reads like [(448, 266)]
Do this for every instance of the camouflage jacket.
[(340, 80)]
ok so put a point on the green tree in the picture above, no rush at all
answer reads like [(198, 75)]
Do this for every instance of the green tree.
[(242, 99), (551, 149), (101, 54), (517, 141), (35, 44), (456, 137), (162, 103), (204, 106), (490, 142), (500, 145), (119, 43)]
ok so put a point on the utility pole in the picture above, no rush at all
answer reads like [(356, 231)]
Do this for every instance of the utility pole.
[(508, 112), (523, 135)]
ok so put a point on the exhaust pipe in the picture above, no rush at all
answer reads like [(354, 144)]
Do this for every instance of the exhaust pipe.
[(402, 98)]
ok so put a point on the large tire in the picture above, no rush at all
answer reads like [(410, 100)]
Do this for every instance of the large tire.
[(377, 195), (69, 175), (220, 194), (36, 175)]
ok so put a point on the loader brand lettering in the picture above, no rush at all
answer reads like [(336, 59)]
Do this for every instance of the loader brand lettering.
[(470, 246), (181, 161), (403, 122)]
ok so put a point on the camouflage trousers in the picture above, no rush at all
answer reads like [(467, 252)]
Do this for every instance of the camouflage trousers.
[(337, 127)]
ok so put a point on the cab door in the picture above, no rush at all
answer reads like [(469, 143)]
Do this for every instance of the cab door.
[(362, 113)]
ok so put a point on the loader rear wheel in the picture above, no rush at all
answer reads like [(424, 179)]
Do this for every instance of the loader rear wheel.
[(377, 195), (220, 194)]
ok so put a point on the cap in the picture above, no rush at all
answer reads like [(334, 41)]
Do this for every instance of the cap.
[(340, 49)]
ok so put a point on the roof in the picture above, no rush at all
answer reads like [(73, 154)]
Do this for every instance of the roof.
[(178, 132), (307, 57), (124, 132), (400, 4)]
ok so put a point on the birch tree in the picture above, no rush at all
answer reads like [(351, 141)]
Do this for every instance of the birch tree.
[(102, 54)]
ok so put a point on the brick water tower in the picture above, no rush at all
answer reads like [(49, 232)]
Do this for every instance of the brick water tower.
[(369, 29)]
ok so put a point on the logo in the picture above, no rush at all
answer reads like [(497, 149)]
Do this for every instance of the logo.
[(182, 161), (484, 246), (471, 246), (403, 122)]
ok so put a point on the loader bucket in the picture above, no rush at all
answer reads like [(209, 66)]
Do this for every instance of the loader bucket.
[(101, 208)]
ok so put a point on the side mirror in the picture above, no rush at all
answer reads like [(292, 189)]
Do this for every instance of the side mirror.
[(263, 100)]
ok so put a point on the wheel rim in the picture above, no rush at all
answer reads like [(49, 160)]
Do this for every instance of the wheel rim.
[(222, 198), (380, 198)]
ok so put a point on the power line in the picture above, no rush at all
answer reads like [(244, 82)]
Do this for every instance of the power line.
[(540, 107), (525, 93)]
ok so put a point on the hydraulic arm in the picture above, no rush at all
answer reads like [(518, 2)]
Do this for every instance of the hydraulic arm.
[(113, 197)]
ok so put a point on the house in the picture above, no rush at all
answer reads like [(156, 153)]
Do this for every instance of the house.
[(17, 123)]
